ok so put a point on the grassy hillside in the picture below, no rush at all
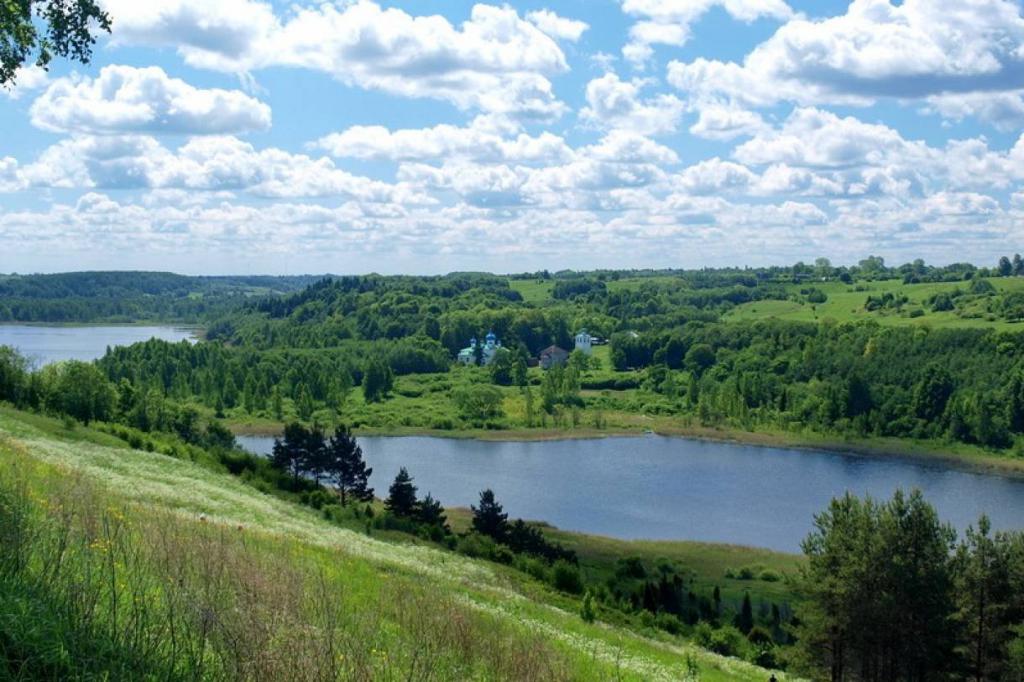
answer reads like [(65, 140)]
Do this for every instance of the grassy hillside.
[(846, 303), (122, 564)]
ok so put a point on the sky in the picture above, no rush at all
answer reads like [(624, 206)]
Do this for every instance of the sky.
[(246, 136)]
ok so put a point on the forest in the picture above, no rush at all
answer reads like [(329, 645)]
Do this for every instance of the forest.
[(125, 297), (378, 353)]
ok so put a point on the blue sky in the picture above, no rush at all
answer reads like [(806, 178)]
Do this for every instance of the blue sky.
[(243, 136)]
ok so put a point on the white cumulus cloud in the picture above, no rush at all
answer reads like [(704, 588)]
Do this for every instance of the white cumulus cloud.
[(556, 26), (127, 99)]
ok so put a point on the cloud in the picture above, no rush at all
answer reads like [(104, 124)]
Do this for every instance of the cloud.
[(210, 163), (480, 141), (669, 22), (715, 176), (724, 123), (622, 146), (556, 26), (495, 61), (26, 79), (915, 50), (614, 103), (225, 35), (126, 99), (815, 138)]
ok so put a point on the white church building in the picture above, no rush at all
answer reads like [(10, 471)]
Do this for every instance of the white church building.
[(585, 342), (489, 349)]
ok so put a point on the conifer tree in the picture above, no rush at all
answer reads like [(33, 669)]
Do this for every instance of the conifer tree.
[(289, 452), (431, 513), (315, 456), (402, 496), (304, 404), (277, 403), (351, 475), (489, 518), (745, 618)]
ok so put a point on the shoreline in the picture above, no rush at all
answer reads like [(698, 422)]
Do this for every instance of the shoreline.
[(985, 464)]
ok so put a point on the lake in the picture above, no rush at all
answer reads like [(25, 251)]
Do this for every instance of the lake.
[(45, 344), (664, 488)]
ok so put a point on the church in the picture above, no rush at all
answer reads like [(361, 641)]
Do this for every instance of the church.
[(488, 351)]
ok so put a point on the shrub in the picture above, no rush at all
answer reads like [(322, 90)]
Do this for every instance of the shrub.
[(566, 577), (816, 296), (475, 545), (533, 566), (727, 641), (587, 608), (669, 623)]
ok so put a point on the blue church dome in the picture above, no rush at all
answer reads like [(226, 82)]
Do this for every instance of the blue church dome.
[(491, 336)]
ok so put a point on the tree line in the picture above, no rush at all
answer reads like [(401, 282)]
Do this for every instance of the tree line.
[(892, 595)]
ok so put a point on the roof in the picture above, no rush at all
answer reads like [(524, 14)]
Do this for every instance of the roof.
[(552, 350)]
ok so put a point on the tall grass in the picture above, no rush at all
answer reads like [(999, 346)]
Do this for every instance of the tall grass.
[(94, 590), (121, 564)]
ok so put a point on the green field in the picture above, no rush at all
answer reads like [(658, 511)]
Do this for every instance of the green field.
[(846, 304), (538, 291), (535, 291), (141, 537)]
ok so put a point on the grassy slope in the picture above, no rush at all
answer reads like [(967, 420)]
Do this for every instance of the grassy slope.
[(153, 483), (707, 562), (845, 304)]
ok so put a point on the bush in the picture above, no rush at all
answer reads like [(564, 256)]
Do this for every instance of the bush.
[(566, 577), (587, 608), (727, 641), (816, 296), (475, 545), (669, 623), (533, 566)]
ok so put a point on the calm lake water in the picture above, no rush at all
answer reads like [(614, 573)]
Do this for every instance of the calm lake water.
[(675, 489), (46, 344)]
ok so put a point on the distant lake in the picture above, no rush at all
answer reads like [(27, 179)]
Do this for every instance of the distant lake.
[(46, 344), (661, 488)]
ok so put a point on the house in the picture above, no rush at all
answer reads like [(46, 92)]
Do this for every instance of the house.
[(584, 342), (553, 356), (488, 350)]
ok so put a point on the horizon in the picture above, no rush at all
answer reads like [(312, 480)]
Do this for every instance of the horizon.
[(498, 273)]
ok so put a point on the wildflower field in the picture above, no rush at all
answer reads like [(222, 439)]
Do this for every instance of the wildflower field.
[(124, 564)]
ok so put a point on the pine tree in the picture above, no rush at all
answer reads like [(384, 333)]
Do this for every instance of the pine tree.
[(378, 380), (431, 513), (289, 453), (249, 395), (315, 456), (519, 374), (985, 590), (489, 518), (745, 618), (277, 403), (304, 404), (351, 475), (402, 496)]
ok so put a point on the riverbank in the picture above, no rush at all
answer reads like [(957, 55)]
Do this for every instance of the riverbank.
[(959, 456)]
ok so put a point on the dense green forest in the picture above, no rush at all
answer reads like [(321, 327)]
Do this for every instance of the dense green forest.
[(378, 352), (130, 296)]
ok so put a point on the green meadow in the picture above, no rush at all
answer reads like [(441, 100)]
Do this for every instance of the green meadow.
[(126, 564), (846, 303)]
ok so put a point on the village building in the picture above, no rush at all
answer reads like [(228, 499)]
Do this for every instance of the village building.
[(553, 356), (488, 350), (584, 342)]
